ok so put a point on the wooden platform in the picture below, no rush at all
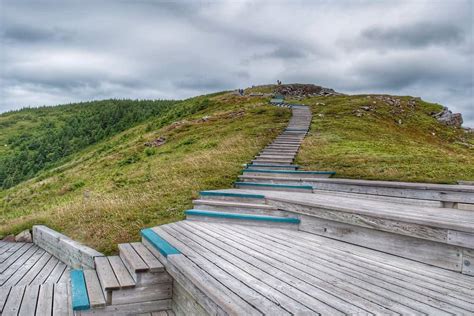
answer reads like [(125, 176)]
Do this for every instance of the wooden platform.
[(248, 270), (32, 281)]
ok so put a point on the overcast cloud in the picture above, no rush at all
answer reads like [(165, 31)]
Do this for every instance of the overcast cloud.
[(54, 52)]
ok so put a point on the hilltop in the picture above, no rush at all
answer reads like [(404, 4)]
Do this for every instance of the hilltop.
[(146, 172)]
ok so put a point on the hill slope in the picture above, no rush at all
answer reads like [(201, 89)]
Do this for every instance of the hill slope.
[(104, 193)]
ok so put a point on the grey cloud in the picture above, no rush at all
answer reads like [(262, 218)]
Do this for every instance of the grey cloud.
[(414, 35), (29, 34), (65, 51)]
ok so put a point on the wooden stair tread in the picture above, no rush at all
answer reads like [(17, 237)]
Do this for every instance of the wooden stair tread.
[(132, 258), (121, 272), (151, 261), (94, 290), (106, 274)]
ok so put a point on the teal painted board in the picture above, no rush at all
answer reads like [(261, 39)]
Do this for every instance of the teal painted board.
[(241, 195), (290, 220), (80, 298), (253, 184), (159, 243), (288, 171)]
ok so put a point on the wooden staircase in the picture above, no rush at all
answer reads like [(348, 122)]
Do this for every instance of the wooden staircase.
[(133, 282), (288, 241)]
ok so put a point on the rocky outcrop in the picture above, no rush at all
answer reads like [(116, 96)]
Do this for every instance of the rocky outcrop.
[(449, 118), (303, 90)]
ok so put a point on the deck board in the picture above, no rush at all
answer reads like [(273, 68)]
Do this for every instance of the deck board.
[(297, 271), (29, 280)]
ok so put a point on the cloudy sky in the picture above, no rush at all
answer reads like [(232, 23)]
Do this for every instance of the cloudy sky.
[(63, 51)]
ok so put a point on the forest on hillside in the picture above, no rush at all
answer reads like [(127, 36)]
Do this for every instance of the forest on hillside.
[(36, 139)]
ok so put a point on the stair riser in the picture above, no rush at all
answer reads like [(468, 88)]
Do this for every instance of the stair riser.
[(422, 194), (128, 309), (278, 151), (233, 199), (239, 210), (286, 143), (142, 294), (416, 241), (249, 187), (276, 156), (272, 162), (272, 168), (242, 222), (285, 175), (287, 181)]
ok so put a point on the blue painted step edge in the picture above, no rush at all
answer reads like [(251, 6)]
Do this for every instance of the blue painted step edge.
[(270, 165), (289, 220), (80, 298), (253, 184), (159, 243), (289, 171), (231, 194)]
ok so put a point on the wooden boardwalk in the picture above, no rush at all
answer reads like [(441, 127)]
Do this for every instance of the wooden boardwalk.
[(283, 242), (249, 270), (32, 281)]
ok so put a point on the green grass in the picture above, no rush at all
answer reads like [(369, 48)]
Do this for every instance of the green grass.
[(376, 146), (105, 194)]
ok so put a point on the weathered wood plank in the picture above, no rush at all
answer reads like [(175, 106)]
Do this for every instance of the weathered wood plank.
[(56, 273), (96, 295), (381, 290), (325, 279), (12, 306), (30, 298), (142, 294), (123, 276), (249, 299), (61, 300), (289, 297), (35, 270), (131, 258), (106, 274), (440, 255), (45, 299), (46, 271), (4, 292), (153, 264), (62, 247), (183, 301)]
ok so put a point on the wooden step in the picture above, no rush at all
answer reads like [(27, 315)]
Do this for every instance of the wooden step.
[(272, 167), (450, 195), (273, 187), (289, 174), (94, 290), (121, 272), (143, 265), (237, 207), (243, 219), (273, 161), (425, 234), (237, 197)]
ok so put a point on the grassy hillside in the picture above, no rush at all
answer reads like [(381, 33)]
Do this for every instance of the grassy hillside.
[(106, 193), (36, 139), (374, 137)]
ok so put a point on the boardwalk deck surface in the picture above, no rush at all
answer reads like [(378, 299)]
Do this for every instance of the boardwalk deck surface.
[(32, 281), (278, 271)]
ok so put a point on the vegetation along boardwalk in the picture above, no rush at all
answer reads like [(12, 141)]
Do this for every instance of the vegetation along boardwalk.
[(284, 241)]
